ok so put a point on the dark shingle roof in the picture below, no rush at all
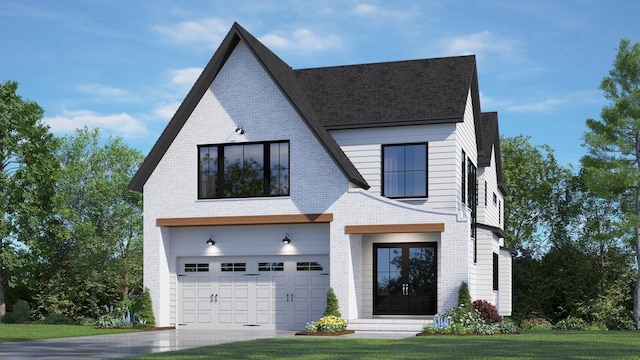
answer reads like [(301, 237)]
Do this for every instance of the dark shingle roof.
[(355, 96), (491, 141), (390, 93), (283, 77)]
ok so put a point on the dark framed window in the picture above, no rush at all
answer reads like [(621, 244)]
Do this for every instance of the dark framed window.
[(404, 170), (495, 272), (204, 267), (243, 170), (472, 203), (308, 266), (226, 267), (463, 163), (271, 266)]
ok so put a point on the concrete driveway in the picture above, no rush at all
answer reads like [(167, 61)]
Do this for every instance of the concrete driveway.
[(146, 342)]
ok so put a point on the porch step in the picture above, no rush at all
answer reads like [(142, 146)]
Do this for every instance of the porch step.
[(389, 325)]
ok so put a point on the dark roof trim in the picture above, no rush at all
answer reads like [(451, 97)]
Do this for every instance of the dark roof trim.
[(491, 142), (184, 111), (285, 79), (396, 123), (511, 251), (475, 101), (494, 229)]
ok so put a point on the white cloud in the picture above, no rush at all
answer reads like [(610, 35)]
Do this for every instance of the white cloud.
[(368, 10), (208, 30), (166, 111), (104, 91), (302, 39), (186, 76), (545, 105), (122, 124), (479, 43)]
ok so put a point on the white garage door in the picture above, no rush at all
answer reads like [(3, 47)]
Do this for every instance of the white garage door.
[(266, 292)]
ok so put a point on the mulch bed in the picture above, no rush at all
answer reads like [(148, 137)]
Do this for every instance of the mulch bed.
[(143, 329), (496, 334), (159, 328), (321, 333)]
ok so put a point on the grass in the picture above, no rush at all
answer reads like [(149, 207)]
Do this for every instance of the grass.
[(13, 333), (529, 345)]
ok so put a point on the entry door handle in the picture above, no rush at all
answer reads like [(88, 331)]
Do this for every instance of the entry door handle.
[(405, 289), (214, 298)]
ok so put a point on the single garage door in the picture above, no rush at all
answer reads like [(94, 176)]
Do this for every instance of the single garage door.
[(278, 292)]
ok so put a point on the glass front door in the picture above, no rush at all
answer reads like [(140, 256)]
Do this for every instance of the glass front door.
[(405, 279)]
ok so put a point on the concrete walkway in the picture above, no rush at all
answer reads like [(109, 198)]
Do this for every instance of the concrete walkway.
[(142, 343)]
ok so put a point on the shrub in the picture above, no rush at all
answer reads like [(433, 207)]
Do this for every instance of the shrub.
[(463, 316), (464, 298), (21, 313), (571, 323), (484, 329), (507, 327), (622, 320), (462, 320), (111, 321), (332, 304), (59, 319), (143, 310), (536, 324), (331, 324), (487, 311)]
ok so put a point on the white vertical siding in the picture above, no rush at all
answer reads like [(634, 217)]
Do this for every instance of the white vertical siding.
[(489, 214), (364, 149), (505, 285)]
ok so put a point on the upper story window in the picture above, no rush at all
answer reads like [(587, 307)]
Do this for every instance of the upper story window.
[(404, 170), (464, 177), (243, 170)]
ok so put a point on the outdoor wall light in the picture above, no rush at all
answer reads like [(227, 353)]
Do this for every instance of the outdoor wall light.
[(211, 242), (240, 130), (286, 239)]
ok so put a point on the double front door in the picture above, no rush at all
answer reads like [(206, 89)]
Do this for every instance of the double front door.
[(405, 279)]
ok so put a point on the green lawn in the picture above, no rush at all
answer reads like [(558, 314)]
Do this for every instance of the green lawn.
[(12, 333), (531, 345)]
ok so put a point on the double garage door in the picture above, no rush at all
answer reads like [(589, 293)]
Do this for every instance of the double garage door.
[(270, 293)]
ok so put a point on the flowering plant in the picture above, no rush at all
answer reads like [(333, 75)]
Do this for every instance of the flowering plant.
[(487, 311), (328, 324)]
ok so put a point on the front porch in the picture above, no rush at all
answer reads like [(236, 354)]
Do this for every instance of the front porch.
[(389, 325)]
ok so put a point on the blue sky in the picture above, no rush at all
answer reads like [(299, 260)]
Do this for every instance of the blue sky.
[(124, 66)]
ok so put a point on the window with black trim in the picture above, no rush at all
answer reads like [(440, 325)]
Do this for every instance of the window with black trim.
[(271, 266), (227, 267), (308, 266), (203, 267), (243, 170), (463, 161), (404, 170), (495, 272)]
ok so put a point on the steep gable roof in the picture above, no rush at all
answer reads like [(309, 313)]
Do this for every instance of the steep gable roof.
[(491, 142), (391, 93), (283, 77)]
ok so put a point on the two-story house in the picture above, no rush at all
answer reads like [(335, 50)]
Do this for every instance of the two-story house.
[(269, 185)]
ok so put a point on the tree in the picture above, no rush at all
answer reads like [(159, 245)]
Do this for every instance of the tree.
[(95, 253), (26, 162), (538, 210), (612, 164)]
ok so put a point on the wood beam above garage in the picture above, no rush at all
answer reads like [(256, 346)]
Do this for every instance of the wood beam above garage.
[(394, 228), (246, 220)]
